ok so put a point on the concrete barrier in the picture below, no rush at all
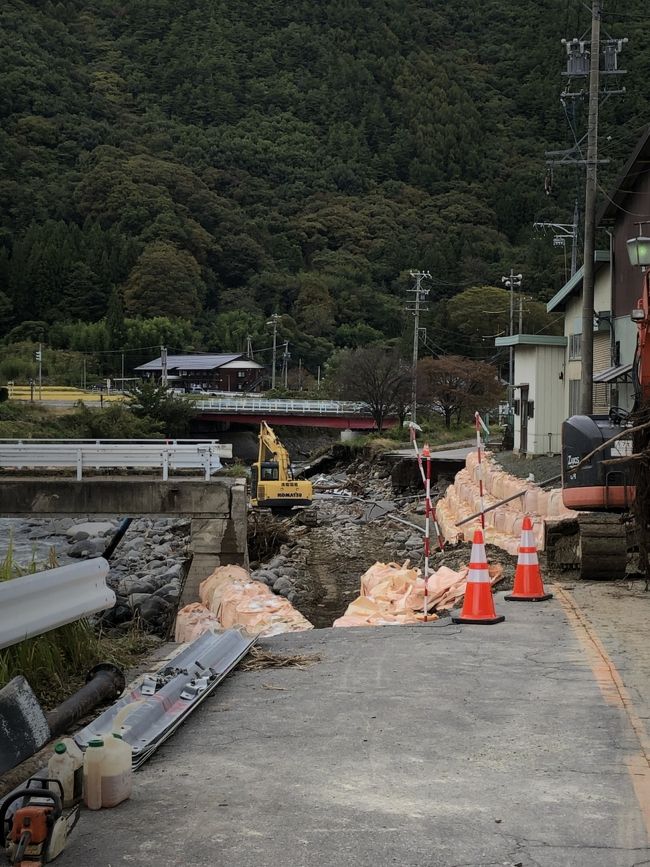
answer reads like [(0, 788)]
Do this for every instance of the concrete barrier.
[(217, 510)]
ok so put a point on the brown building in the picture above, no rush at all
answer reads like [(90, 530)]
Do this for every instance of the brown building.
[(208, 372)]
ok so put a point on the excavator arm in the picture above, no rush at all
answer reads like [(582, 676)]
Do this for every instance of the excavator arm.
[(272, 450)]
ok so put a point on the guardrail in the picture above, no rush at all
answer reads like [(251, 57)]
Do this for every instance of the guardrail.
[(112, 454), (271, 406), (36, 603)]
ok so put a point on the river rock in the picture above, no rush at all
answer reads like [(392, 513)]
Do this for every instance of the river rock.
[(265, 576), (174, 571), (91, 528), (282, 586), (87, 548), (155, 611), (129, 587), (137, 599), (170, 593)]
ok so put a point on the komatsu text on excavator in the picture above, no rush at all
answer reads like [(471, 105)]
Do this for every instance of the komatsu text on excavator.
[(272, 483)]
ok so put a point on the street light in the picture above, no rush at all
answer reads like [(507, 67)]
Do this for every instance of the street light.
[(638, 249), (512, 282)]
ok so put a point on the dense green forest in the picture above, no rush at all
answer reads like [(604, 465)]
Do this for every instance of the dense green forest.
[(215, 162)]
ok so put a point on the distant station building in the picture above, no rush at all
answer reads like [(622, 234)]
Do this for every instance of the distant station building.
[(209, 373)]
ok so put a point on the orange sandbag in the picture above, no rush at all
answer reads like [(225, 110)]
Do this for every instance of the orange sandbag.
[(192, 621), (217, 581)]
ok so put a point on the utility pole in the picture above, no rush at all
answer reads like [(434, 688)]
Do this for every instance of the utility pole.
[(588, 60), (512, 282), (122, 373), (40, 371), (419, 296), (586, 386), (285, 364), (273, 322), (163, 366), (83, 382), (249, 347)]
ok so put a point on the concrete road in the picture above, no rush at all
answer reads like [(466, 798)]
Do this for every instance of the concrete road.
[(439, 745)]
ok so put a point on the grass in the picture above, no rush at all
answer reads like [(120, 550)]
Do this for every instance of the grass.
[(56, 663), (235, 471)]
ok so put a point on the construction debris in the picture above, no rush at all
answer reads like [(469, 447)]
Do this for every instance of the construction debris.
[(394, 594), (260, 659)]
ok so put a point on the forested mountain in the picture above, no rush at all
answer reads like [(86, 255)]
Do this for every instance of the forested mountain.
[(218, 161)]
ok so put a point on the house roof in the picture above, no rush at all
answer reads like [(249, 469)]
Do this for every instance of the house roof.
[(242, 364), (574, 284), (637, 164), (190, 362), (531, 340), (613, 373)]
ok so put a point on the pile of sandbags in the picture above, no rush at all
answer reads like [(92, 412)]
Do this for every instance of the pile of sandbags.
[(503, 524), (230, 599), (394, 594)]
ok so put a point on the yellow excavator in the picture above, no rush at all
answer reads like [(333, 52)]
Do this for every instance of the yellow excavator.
[(272, 483)]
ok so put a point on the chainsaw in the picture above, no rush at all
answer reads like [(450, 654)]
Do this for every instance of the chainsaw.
[(37, 830)]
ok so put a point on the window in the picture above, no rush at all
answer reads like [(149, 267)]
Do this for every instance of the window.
[(574, 397), (241, 374), (575, 346)]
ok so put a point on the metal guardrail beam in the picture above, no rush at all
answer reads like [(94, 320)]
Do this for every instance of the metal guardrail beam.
[(289, 407), (34, 604), (82, 455)]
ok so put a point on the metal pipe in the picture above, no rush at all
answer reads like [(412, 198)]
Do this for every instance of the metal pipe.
[(105, 682)]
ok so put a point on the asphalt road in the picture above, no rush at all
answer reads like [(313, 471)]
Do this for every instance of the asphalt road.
[(438, 745)]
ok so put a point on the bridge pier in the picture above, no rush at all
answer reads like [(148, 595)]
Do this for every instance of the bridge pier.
[(217, 510)]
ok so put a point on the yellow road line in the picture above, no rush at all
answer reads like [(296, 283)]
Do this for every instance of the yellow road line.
[(615, 693)]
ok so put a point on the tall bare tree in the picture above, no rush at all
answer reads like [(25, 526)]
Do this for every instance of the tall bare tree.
[(376, 377), (453, 385)]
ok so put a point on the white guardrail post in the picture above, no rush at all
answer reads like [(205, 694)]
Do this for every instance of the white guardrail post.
[(37, 603)]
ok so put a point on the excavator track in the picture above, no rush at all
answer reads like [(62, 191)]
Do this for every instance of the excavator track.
[(595, 544), (603, 546)]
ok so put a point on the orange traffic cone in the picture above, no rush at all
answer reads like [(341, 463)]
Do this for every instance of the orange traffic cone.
[(528, 586), (478, 605)]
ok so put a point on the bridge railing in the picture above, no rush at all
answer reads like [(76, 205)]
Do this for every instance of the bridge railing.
[(279, 406), (106, 454)]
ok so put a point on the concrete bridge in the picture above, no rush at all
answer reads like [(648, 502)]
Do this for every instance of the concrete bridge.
[(337, 414), (217, 510)]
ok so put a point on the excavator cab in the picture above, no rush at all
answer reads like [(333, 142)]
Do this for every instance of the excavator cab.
[(269, 471)]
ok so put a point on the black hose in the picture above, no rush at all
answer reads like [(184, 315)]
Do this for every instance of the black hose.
[(104, 682), (117, 538)]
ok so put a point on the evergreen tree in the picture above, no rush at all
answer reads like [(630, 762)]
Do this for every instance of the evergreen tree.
[(115, 323)]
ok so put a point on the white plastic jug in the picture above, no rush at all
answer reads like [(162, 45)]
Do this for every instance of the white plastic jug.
[(117, 773), (93, 761), (66, 766)]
